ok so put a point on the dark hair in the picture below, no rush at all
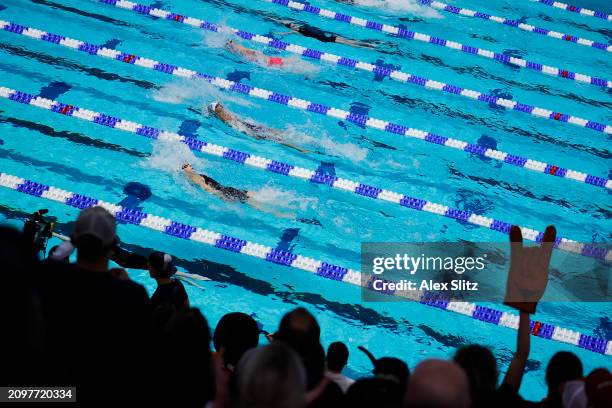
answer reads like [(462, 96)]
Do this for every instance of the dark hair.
[(187, 328), (390, 368), (298, 324), (480, 367), (337, 356), (374, 392), (236, 333), (563, 366), (90, 248), (299, 330)]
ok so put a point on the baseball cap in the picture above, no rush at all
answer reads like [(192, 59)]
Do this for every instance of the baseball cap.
[(162, 262), (98, 223)]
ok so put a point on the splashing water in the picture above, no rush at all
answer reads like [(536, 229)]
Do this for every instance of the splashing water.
[(410, 6), (170, 157), (197, 91), (220, 38), (292, 64), (331, 147), (284, 204)]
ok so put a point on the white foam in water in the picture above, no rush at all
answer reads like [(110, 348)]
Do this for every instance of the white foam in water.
[(346, 150), (197, 91), (218, 39), (410, 6), (284, 204), (170, 157)]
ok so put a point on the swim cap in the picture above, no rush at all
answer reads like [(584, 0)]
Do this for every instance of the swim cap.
[(213, 106), (275, 61)]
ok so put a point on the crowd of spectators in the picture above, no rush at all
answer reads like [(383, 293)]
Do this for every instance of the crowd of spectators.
[(85, 325)]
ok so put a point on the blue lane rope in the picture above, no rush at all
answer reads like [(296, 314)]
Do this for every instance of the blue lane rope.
[(576, 9), (315, 177), (287, 100), (290, 259), (342, 61), (412, 35), (517, 24)]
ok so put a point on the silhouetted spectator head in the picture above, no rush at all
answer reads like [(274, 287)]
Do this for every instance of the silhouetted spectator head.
[(480, 367), (337, 356), (389, 368), (374, 392), (562, 367), (94, 235), (161, 265), (437, 384), (299, 330), (187, 328), (271, 377), (598, 387), (234, 335), (298, 325), (392, 368)]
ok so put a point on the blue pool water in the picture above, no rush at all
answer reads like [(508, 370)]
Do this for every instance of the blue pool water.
[(314, 220)]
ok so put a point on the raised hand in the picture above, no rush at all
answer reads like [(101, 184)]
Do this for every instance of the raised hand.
[(528, 274)]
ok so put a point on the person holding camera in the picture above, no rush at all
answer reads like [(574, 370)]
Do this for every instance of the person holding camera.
[(98, 324), (169, 291)]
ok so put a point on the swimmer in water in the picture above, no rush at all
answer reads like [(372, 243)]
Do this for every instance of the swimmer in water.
[(230, 194), (212, 186), (324, 36), (251, 129), (254, 56)]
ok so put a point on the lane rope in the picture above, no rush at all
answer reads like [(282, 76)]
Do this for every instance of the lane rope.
[(338, 60), (294, 102), (576, 9), (280, 257), (412, 35), (304, 174), (517, 24)]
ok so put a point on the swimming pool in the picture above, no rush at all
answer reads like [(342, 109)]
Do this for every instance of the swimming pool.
[(315, 220)]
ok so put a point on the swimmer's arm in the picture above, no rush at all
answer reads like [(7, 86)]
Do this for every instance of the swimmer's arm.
[(354, 43), (275, 136), (197, 179), (243, 50), (299, 149)]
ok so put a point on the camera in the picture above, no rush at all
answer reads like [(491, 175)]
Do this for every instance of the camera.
[(37, 230)]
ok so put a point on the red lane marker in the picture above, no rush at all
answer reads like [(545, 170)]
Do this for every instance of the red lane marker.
[(66, 109), (536, 328)]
